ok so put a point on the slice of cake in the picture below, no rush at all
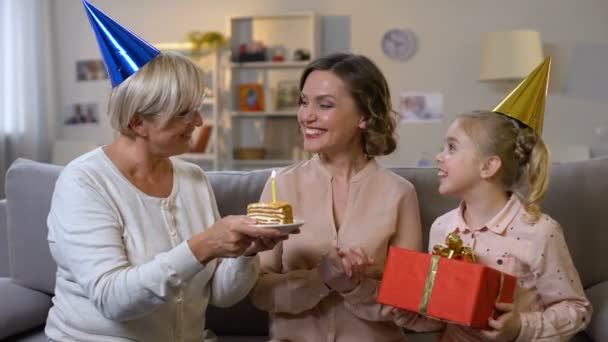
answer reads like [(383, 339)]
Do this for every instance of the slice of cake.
[(271, 213)]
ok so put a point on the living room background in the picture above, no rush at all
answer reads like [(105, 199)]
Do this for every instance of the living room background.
[(447, 59)]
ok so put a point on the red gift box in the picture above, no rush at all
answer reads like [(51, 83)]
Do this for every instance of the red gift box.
[(461, 292)]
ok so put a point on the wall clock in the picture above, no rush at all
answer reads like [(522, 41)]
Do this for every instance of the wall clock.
[(399, 44)]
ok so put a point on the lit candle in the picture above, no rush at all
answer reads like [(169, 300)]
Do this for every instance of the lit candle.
[(273, 182)]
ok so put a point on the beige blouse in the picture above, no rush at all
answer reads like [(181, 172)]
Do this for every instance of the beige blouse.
[(382, 211)]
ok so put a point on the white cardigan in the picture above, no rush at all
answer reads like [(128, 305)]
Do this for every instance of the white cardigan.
[(125, 271)]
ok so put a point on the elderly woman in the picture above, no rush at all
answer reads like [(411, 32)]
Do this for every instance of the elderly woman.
[(139, 245), (322, 284)]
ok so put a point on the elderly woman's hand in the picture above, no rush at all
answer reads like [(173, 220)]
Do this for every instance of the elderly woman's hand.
[(229, 237), (266, 244)]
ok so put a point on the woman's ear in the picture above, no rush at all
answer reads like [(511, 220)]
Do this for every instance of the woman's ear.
[(138, 126), (362, 122), (490, 167)]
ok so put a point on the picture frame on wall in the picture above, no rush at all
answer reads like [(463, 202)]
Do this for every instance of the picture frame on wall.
[(288, 94), (90, 70), (251, 97), (81, 113), (420, 107)]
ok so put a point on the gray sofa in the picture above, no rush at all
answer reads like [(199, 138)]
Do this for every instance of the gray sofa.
[(577, 198)]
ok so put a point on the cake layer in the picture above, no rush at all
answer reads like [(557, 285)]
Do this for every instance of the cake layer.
[(271, 212)]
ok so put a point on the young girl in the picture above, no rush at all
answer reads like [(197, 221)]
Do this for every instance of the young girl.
[(484, 157)]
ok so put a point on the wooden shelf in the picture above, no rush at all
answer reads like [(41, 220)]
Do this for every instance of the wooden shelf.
[(197, 156), (185, 48), (270, 65), (257, 115), (278, 16), (272, 129), (264, 162), (174, 46)]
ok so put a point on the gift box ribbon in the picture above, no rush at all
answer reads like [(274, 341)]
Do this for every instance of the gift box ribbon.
[(428, 286), (453, 249)]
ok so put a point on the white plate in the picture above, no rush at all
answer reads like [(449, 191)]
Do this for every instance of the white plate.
[(285, 228)]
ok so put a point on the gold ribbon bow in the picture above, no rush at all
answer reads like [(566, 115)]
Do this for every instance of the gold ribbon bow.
[(453, 249)]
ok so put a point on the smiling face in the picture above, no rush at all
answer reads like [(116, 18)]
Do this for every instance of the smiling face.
[(160, 105), (172, 136), (328, 116), (459, 163)]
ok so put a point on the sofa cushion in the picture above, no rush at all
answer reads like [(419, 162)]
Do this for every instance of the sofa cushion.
[(245, 339), (22, 308), (4, 268), (34, 335), (233, 191), (598, 296), (29, 188), (577, 197), (432, 204)]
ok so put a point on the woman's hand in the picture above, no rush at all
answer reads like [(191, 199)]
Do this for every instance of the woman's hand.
[(342, 271), (355, 262), (229, 237), (506, 327), (266, 244)]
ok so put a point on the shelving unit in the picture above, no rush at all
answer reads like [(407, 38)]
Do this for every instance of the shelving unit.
[(275, 130), (263, 163), (209, 62), (269, 65), (278, 114)]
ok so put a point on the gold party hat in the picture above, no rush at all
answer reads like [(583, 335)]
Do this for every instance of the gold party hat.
[(526, 103)]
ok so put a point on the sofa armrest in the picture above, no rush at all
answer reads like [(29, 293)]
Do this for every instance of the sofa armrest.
[(598, 296), (4, 265), (22, 309)]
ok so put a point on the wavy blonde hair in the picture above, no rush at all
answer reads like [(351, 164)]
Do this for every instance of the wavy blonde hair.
[(167, 85), (519, 148), (371, 94)]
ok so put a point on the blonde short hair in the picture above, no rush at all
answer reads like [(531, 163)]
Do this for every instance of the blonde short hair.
[(169, 84)]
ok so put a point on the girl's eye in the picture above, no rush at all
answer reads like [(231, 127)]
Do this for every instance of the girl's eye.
[(326, 105)]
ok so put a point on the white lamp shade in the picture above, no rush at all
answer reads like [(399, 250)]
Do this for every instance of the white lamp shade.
[(509, 55)]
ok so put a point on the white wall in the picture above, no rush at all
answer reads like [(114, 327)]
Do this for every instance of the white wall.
[(449, 34)]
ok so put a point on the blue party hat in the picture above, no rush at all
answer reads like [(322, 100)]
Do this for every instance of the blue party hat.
[(123, 52)]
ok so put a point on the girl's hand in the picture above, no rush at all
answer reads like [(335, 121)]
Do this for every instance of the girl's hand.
[(506, 327), (411, 320)]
